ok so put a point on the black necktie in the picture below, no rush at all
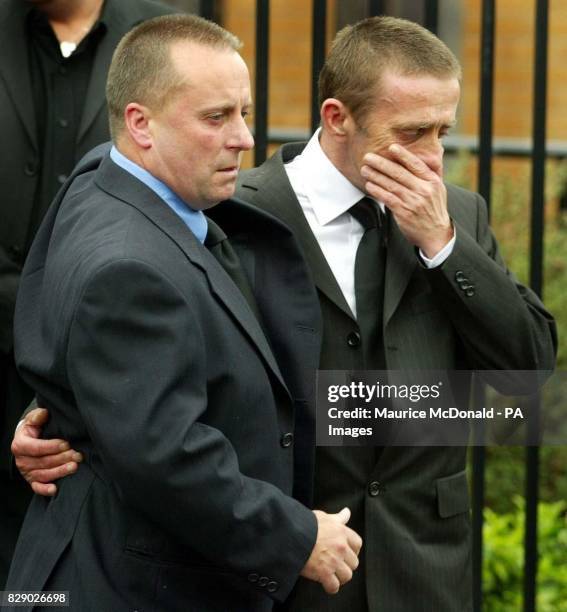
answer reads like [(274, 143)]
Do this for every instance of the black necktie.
[(220, 247), (369, 275), (369, 280)]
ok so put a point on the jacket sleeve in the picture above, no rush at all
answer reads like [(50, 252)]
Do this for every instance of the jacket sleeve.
[(503, 325), (137, 364)]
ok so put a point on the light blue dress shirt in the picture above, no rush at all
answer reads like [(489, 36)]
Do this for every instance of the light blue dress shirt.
[(195, 220)]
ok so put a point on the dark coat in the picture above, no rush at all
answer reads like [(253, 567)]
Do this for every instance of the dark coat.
[(153, 365), (411, 505)]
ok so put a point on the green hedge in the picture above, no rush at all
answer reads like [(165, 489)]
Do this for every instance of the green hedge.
[(503, 558)]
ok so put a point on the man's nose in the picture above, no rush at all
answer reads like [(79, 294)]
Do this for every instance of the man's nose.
[(432, 155), (241, 139)]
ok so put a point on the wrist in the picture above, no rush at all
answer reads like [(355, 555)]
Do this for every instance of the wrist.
[(437, 243)]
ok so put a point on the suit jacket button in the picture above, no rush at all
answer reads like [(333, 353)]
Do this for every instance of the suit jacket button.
[(353, 339), (470, 291), (253, 578), (30, 169), (263, 581), (286, 440), (374, 488), (272, 586), (460, 276)]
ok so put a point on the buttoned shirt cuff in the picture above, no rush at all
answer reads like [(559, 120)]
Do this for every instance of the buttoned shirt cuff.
[(443, 254)]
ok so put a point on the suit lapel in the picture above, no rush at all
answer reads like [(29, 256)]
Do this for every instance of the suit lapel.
[(14, 62), (133, 192), (279, 199)]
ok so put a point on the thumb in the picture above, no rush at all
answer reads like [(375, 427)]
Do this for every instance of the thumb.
[(343, 516), (37, 416)]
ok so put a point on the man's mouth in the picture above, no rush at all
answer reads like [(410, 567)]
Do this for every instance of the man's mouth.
[(229, 170)]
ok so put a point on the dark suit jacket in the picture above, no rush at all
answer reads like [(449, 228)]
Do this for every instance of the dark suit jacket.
[(151, 362), (19, 175), (414, 520)]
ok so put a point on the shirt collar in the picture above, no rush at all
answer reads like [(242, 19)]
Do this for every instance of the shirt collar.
[(329, 192), (195, 220)]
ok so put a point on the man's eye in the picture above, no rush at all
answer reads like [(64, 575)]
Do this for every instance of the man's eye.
[(416, 133), (215, 117)]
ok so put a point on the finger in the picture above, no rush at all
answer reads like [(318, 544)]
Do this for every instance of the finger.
[(37, 417), (47, 490), (48, 476), (343, 573), (343, 516), (331, 584), (414, 164), (26, 445), (396, 171), (387, 198), (354, 541), (385, 182), (351, 559), (27, 464)]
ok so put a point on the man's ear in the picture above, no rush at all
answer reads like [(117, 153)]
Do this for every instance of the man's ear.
[(137, 123), (335, 118)]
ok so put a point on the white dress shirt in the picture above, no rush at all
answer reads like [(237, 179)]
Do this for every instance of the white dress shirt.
[(325, 195)]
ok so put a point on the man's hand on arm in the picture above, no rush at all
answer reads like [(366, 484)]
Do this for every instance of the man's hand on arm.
[(415, 195), (335, 554), (39, 461)]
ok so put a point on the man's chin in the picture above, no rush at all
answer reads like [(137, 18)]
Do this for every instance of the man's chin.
[(220, 196)]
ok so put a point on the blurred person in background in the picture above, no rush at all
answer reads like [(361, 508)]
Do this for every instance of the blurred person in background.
[(54, 56)]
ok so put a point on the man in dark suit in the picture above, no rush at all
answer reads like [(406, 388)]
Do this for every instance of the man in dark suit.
[(389, 92), (152, 362), (445, 301), (54, 56)]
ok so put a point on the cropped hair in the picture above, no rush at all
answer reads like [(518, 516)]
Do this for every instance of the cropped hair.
[(362, 53), (142, 69)]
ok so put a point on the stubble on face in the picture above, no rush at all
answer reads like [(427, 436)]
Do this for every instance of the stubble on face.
[(415, 112), (200, 134)]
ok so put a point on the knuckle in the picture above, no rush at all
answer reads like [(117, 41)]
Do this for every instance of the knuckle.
[(36, 476), (326, 573), (397, 175), (49, 462)]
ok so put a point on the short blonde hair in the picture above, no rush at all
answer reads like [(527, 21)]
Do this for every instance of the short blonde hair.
[(361, 53), (142, 69)]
